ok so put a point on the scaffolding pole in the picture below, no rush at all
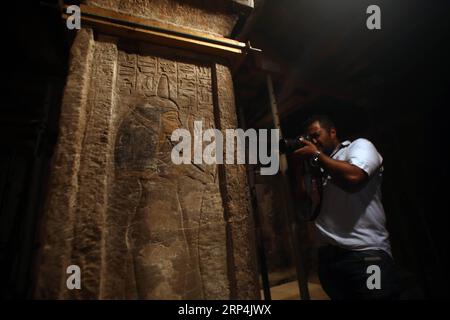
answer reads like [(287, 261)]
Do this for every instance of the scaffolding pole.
[(288, 200)]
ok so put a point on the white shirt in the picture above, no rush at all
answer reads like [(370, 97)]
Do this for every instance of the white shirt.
[(355, 221)]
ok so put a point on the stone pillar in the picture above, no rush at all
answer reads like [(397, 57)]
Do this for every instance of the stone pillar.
[(137, 225)]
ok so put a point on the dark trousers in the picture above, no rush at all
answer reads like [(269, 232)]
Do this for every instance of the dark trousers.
[(358, 275)]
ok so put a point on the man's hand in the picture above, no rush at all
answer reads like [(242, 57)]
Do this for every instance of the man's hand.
[(307, 151)]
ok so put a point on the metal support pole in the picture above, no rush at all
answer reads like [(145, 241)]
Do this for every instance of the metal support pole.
[(288, 200), (256, 218)]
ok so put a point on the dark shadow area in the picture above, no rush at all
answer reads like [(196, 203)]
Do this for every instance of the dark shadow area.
[(36, 67), (390, 86)]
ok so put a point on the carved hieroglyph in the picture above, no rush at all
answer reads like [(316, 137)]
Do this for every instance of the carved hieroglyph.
[(138, 225), (165, 205)]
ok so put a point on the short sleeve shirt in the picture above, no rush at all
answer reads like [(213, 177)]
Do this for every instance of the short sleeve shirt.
[(355, 221)]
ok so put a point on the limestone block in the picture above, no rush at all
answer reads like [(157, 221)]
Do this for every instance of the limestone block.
[(137, 225), (213, 17)]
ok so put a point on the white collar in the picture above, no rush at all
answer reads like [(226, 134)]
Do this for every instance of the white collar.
[(341, 145), (346, 143)]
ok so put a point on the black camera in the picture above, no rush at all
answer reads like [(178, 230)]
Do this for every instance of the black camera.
[(288, 146)]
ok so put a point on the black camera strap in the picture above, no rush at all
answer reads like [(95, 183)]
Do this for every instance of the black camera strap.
[(338, 148), (319, 182)]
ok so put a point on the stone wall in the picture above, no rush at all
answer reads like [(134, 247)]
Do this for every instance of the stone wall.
[(139, 226), (214, 17)]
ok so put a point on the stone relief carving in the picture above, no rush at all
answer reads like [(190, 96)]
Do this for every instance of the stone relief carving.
[(163, 202)]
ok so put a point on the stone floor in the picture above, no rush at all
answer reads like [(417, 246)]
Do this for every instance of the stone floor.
[(289, 291)]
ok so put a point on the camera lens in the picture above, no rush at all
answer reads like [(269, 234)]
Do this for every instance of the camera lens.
[(288, 146)]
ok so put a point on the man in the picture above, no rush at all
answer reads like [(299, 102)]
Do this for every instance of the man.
[(356, 262)]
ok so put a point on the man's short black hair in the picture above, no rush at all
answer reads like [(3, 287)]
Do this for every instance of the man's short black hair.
[(325, 122)]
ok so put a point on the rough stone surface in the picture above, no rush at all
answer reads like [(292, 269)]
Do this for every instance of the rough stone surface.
[(273, 221), (214, 17), (59, 221), (139, 226), (241, 242)]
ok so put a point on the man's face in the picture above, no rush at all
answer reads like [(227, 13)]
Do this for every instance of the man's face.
[(324, 139)]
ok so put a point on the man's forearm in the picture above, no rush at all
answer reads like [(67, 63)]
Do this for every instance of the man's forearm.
[(343, 172)]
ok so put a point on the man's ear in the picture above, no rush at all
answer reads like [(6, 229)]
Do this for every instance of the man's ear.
[(333, 133)]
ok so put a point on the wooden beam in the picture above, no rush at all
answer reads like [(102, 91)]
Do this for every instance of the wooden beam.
[(122, 25)]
